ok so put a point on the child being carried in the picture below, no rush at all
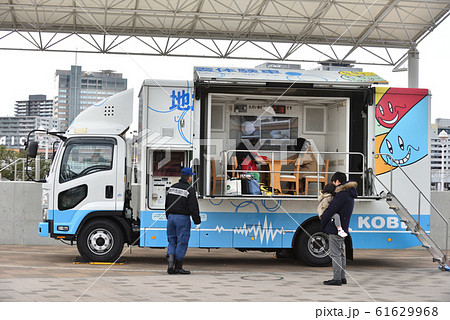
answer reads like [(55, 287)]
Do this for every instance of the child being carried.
[(325, 197)]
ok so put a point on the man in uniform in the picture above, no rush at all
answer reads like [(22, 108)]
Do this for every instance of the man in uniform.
[(181, 204)]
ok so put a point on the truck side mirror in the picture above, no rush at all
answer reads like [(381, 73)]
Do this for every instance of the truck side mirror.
[(32, 149)]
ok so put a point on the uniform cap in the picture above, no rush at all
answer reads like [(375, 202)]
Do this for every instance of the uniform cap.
[(187, 172)]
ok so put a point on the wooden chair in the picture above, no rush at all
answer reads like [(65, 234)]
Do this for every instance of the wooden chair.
[(234, 166), (214, 176), (293, 179), (320, 178)]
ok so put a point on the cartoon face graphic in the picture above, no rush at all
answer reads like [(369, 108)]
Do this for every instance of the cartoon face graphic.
[(393, 106), (388, 115), (407, 142)]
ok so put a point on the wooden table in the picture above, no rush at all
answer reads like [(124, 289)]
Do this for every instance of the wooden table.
[(275, 165)]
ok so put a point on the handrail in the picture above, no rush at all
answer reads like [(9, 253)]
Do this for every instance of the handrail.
[(420, 194), (15, 168), (318, 156), (14, 162)]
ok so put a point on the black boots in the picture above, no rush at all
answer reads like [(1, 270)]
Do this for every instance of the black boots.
[(175, 267), (179, 268), (170, 263)]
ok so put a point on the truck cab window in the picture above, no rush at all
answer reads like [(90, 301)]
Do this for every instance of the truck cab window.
[(81, 159)]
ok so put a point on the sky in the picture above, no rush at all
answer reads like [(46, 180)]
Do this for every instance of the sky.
[(26, 73)]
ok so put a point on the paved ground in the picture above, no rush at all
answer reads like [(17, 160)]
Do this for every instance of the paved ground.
[(48, 273)]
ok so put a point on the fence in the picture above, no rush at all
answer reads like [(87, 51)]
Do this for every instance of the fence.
[(36, 168)]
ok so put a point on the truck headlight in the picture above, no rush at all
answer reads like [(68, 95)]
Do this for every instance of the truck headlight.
[(45, 200), (44, 214), (45, 197)]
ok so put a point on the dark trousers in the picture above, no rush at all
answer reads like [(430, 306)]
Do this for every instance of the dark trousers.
[(178, 234), (337, 255)]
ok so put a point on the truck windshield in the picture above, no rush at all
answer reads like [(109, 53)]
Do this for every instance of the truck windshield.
[(85, 158)]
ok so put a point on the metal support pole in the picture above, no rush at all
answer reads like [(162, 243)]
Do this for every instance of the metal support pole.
[(442, 166), (37, 169), (418, 210), (413, 68)]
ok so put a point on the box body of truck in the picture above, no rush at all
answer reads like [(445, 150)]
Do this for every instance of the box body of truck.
[(343, 115)]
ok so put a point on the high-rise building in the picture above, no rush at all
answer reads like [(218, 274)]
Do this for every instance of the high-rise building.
[(78, 90), (14, 130), (37, 105), (440, 163)]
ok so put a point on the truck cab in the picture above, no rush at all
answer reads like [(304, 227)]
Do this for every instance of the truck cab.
[(85, 195)]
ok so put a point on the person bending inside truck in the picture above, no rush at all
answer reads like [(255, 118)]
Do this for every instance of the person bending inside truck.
[(247, 160), (247, 157), (341, 204), (181, 204)]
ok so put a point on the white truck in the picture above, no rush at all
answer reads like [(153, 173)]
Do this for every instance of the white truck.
[(378, 136)]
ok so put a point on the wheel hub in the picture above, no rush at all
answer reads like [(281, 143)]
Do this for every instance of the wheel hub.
[(100, 241), (318, 245)]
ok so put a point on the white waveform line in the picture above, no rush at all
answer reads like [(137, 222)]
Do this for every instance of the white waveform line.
[(218, 229), (264, 232)]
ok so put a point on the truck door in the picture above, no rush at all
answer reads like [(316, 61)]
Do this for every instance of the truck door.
[(165, 168), (85, 181)]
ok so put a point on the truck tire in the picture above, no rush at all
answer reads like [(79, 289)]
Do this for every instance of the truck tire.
[(100, 241), (312, 245)]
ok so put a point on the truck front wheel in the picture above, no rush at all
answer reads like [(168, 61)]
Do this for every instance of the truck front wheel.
[(312, 245), (100, 240)]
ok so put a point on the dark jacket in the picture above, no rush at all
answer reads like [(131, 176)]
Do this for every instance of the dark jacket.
[(244, 157), (181, 199), (342, 204)]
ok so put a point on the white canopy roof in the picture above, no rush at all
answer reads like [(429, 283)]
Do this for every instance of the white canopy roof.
[(265, 29)]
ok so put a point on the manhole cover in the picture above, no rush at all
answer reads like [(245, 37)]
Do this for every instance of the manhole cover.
[(262, 277)]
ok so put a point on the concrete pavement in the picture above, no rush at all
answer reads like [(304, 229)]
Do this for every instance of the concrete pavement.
[(48, 273)]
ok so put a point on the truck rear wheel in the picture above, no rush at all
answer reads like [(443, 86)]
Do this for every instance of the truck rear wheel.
[(312, 245), (100, 240)]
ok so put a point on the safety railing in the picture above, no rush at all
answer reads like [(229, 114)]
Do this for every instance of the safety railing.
[(19, 167), (421, 194), (277, 159), (14, 164)]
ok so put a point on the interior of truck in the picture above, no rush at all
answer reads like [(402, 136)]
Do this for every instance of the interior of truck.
[(289, 145)]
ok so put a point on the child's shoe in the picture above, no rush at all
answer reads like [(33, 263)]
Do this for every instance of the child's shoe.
[(342, 233)]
